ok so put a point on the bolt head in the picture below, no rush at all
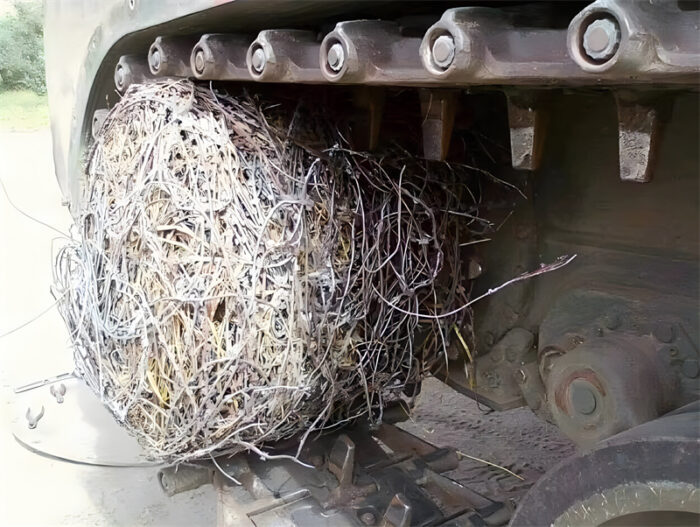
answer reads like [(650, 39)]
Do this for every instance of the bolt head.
[(601, 39), (154, 60), (119, 76), (199, 62), (443, 51), (582, 397), (368, 518), (258, 60), (336, 57)]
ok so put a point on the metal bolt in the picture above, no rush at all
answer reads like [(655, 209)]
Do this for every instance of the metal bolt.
[(119, 77), (336, 57), (601, 39), (368, 518), (258, 60), (443, 51), (154, 60), (582, 397), (199, 62)]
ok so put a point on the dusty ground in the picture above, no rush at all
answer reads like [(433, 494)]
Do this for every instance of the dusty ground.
[(514, 439), (36, 490)]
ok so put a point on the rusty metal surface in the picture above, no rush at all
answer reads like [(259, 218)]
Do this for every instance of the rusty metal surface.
[(526, 120), (131, 69), (220, 57), (656, 39), (170, 56), (439, 108), (489, 49), (501, 45), (607, 364), (626, 310), (372, 52), (285, 56)]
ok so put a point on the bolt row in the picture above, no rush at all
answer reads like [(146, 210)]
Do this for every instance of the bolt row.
[(470, 45)]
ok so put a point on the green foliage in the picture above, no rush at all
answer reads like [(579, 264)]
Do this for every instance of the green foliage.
[(22, 48), (23, 110)]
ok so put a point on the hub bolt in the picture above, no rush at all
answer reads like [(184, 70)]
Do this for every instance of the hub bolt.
[(154, 60), (582, 397), (443, 51), (258, 60), (336, 57), (199, 63), (601, 39)]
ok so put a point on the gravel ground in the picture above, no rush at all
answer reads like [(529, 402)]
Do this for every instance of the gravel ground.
[(35, 490)]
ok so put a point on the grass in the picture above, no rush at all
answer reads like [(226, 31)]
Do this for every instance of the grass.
[(23, 110)]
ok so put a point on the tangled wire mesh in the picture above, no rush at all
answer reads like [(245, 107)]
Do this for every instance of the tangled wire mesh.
[(237, 277)]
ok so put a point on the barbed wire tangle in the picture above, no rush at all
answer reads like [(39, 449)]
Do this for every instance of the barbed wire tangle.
[(239, 276)]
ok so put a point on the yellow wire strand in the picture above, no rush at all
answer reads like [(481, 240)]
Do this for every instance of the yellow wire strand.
[(504, 469)]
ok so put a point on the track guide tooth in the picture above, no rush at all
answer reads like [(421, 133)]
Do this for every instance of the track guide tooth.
[(526, 120), (371, 52), (639, 129), (170, 56), (220, 57), (438, 108), (285, 56)]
